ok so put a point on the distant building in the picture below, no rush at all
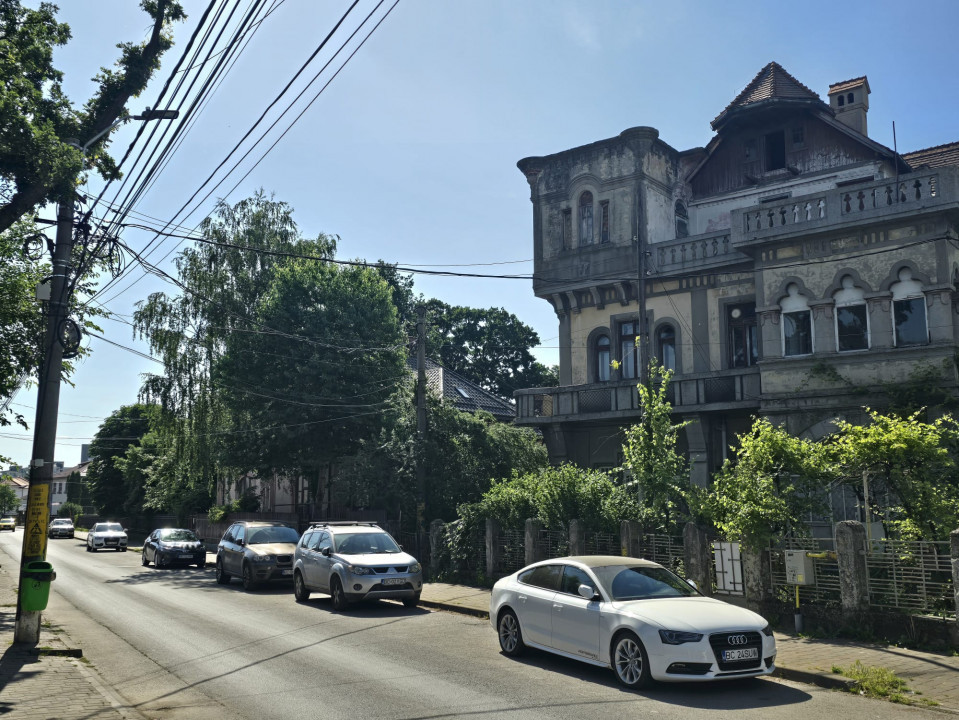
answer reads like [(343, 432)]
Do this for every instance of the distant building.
[(795, 268)]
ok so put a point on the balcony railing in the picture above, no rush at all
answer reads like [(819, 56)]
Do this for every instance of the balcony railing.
[(687, 393)]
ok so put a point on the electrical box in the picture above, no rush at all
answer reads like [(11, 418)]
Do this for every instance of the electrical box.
[(800, 569)]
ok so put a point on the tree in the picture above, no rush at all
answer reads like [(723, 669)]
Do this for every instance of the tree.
[(8, 499), (39, 125), (490, 347), (658, 472), (912, 460), (463, 455), (112, 491), (772, 485)]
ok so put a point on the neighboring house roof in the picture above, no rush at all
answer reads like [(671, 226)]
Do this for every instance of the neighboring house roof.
[(938, 156), (15, 482), (465, 395), (771, 85)]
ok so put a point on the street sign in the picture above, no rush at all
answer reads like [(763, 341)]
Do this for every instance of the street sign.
[(38, 514)]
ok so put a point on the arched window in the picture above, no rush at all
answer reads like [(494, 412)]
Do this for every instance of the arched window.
[(796, 324), (849, 98), (852, 318), (842, 101), (909, 311), (586, 218), (682, 220), (602, 358), (666, 346)]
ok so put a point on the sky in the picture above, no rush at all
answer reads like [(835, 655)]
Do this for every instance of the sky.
[(409, 154)]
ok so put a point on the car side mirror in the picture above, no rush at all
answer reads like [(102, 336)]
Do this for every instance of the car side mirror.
[(693, 584), (585, 591), (241, 542), (325, 552)]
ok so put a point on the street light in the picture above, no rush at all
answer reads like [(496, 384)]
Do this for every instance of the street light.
[(58, 337)]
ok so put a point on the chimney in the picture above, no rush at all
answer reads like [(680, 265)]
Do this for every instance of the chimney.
[(850, 101)]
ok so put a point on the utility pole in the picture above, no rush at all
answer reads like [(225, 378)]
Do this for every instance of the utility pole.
[(45, 424), (421, 429)]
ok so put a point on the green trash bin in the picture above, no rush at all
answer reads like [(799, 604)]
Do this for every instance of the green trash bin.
[(35, 588)]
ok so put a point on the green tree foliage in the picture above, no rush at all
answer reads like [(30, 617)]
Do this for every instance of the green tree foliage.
[(286, 361), (914, 461), (770, 488), (8, 499), (112, 491), (658, 472), (490, 347), (70, 510), (38, 122), (463, 455)]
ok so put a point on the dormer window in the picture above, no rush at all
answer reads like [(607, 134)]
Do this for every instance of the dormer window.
[(775, 145), (586, 218)]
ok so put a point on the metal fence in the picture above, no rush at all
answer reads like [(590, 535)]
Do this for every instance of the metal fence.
[(913, 576), (599, 543), (826, 589), (512, 551), (667, 550), (552, 543)]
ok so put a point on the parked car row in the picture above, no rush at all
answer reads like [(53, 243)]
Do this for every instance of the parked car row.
[(633, 616)]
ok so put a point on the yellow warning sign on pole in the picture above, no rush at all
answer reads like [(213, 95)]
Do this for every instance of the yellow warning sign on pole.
[(35, 524)]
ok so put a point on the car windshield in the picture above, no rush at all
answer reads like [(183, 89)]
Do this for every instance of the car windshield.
[(276, 534), (109, 527), (60, 521), (364, 543), (639, 583), (176, 535)]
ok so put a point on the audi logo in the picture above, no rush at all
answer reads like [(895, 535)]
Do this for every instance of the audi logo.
[(737, 640)]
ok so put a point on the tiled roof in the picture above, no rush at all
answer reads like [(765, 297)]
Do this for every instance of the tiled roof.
[(772, 83), (15, 481), (464, 394), (938, 156), (846, 84)]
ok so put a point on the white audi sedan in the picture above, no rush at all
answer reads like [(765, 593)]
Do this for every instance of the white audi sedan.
[(631, 615)]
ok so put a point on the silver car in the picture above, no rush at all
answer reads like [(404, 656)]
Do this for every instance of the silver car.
[(107, 536), (61, 527), (353, 562)]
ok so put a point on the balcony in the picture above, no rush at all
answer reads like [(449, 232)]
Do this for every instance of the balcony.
[(700, 392)]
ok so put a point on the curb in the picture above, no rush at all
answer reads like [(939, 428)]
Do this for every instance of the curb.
[(461, 609)]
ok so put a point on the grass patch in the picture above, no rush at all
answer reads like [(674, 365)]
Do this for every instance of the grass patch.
[(879, 682)]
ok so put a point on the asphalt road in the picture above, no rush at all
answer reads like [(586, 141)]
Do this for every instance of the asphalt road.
[(176, 645)]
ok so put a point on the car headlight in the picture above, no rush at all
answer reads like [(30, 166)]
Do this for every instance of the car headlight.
[(415, 567), (768, 631), (262, 558), (678, 637), (356, 570)]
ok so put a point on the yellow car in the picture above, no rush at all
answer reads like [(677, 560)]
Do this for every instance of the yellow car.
[(8, 523)]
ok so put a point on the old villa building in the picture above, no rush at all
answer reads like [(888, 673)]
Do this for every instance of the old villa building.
[(794, 267)]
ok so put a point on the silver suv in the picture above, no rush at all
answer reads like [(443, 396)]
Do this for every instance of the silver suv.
[(354, 561)]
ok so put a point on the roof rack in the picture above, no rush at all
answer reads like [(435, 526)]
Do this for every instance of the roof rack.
[(342, 523)]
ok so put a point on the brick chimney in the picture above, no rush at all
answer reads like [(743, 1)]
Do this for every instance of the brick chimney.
[(850, 101)]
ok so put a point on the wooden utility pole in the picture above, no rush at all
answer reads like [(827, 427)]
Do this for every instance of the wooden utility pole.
[(421, 430)]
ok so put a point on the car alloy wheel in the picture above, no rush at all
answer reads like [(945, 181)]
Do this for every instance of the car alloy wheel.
[(143, 558), (222, 576), (630, 662), (337, 595), (248, 582), (200, 565), (158, 560), (510, 636), (299, 588)]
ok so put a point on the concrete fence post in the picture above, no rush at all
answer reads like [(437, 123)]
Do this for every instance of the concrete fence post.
[(853, 575), (756, 578), (954, 545), (492, 547), (699, 557), (437, 543), (577, 538), (631, 538), (533, 553)]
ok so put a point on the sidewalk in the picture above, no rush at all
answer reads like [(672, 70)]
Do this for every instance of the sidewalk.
[(932, 676)]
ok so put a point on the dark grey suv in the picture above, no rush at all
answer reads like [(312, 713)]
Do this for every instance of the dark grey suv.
[(256, 552), (352, 562)]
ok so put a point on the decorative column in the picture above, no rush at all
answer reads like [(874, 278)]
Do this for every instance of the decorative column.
[(699, 557), (880, 320), (939, 314), (492, 548), (631, 538), (823, 326), (533, 527), (769, 332), (756, 578), (577, 538)]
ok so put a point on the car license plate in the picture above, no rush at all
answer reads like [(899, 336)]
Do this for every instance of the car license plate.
[(186, 556), (393, 581), (741, 654), (287, 571)]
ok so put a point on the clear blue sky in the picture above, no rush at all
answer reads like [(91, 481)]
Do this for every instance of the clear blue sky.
[(410, 154)]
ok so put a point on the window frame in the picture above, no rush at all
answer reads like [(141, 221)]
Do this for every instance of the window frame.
[(808, 315), (921, 299), (633, 352), (867, 335), (660, 354), (748, 325), (585, 206), (601, 367)]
